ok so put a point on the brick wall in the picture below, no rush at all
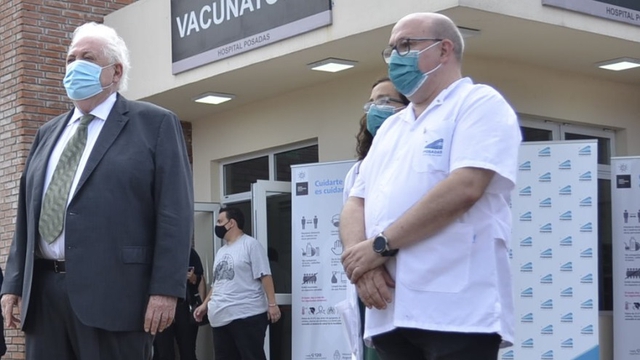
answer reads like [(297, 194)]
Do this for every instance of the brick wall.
[(34, 36)]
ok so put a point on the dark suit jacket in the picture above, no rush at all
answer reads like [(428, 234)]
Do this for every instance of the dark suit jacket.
[(128, 225)]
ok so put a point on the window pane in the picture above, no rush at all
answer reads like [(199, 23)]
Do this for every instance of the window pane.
[(605, 273), (533, 134), (604, 146), (239, 176), (284, 160)]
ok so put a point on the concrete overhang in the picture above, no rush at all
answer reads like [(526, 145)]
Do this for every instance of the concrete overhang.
[(503, 39)]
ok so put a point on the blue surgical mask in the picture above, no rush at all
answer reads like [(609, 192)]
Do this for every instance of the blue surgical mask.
[(82, 80), (405, 73), (376, 115)]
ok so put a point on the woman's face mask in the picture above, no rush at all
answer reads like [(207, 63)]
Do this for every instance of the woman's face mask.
[(376, 115)]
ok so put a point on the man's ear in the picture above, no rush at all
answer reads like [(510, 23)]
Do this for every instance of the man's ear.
[(117, 73), (447, 48)]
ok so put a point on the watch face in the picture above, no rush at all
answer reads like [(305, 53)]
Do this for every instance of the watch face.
[(379, 244)]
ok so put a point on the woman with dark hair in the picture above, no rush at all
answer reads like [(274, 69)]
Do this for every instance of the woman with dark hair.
[(384, 101)]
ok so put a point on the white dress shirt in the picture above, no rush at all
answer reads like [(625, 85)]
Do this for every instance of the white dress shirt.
[(55, 249)]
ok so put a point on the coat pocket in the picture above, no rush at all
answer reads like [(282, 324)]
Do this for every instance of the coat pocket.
[(431, 150), (440, 263)]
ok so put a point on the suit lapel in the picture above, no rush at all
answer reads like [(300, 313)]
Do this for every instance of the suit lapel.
[(110, 131)]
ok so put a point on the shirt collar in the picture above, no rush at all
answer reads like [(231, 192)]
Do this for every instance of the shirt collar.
[(100, 112), (444, 94)]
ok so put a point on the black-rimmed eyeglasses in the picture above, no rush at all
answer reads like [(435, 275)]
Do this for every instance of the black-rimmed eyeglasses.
[(403, 47), (381, 102)]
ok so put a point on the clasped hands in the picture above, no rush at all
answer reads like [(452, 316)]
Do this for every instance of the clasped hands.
[(365, 268)]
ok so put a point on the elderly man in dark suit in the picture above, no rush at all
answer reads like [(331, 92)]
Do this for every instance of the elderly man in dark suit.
[(104, 219)]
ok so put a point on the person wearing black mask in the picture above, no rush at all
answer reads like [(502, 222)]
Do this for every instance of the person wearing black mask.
[(242, 300)]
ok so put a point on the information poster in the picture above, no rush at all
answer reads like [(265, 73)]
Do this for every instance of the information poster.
[(625, 207), (554, 258), (318, 279)]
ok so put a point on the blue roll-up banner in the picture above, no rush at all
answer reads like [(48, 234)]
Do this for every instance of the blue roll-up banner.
[(554, 252)]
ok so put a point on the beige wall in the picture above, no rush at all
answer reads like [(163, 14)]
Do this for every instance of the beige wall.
[(154, 38), (330, 112)]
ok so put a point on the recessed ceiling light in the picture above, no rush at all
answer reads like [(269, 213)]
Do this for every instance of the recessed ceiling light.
[(332, 65), (213, 98), (619, 64)]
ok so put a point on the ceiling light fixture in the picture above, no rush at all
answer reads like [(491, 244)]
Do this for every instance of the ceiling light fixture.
[(619, 64), (213, 98), (332, 65)]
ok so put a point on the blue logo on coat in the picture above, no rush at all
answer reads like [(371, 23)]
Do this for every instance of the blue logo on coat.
[(434, 148)]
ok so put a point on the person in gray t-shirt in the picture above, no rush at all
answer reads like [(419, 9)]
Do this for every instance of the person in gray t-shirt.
[(242, 299)]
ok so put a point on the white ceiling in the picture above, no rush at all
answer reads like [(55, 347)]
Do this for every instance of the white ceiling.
[(502, 38)]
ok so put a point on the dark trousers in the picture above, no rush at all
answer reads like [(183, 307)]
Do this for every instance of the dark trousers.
[(416, 344), (183, 331), (241, 339), (53, 331)]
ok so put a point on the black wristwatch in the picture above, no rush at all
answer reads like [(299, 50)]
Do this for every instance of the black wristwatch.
[(381, 246)]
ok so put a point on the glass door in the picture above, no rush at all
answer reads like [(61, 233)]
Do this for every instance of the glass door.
[(271, 217), (205, 244)]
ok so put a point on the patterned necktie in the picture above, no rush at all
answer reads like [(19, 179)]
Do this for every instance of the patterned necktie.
[(55, 199)]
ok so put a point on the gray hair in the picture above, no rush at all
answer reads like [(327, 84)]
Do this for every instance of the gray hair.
[(444, 28), (115, 50)]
